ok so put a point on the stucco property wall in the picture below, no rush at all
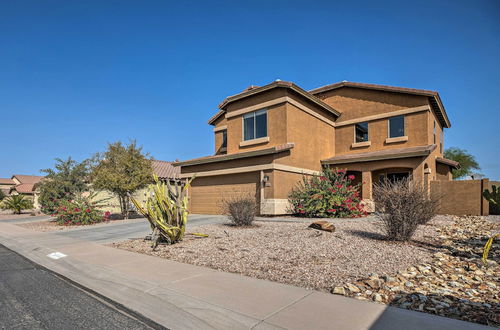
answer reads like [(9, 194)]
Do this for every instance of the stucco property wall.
[(461, 197)]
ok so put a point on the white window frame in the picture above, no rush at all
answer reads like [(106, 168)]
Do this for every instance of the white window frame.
[(254, 114)]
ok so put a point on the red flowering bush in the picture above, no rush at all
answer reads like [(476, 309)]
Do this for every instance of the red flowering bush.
[(329, 195), (82, 210)]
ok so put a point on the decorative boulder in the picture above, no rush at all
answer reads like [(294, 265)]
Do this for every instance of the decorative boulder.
[(323, 225)]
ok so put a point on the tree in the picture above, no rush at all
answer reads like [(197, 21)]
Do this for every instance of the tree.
[(2, 195), (16, 203), (67, 180), (467, 162), (122, 170)]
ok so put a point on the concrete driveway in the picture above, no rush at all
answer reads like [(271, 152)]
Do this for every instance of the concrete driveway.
[(135, 228)]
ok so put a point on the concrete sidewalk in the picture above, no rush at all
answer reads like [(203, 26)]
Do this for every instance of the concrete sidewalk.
[(182, 296)]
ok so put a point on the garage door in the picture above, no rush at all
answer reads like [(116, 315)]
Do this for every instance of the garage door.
[(208, 193)]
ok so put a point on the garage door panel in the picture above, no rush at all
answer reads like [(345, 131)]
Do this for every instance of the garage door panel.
[(208, 193)]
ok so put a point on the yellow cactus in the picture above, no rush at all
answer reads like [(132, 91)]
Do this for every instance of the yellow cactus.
[(166, 209), (487, 247)]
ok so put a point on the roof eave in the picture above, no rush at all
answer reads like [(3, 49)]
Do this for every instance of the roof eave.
[(277, 84), (370, 158), (246, 154)]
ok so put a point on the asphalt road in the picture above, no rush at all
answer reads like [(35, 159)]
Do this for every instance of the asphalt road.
[(32, 297), (137, 229)]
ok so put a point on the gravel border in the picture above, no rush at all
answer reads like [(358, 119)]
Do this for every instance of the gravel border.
[(291, 253)]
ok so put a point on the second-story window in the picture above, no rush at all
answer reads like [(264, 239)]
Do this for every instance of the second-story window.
[(255, 125), (361, 132), (396, 126), (224, 139), (435, 128)]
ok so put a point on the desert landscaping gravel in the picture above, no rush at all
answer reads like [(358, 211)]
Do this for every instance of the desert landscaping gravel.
[(294, 254)]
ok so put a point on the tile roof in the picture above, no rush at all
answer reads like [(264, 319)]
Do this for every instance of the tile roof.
[(165, 170), (6, 181), (449, 162), (433, 96), (275, 84), (238, 155), (28, 178), (24, 188), (382, 154)]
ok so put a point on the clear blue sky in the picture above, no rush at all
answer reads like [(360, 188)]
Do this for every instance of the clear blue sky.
[(75, 75)]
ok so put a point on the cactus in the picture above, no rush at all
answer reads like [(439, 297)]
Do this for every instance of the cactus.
[(487, 247), (494, 196), (166, 209)]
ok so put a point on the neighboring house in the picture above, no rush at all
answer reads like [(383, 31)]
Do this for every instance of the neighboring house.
[(5, 185), (267, 138), (165, 172), (25, 185)]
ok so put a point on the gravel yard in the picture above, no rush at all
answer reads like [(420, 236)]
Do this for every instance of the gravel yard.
[(7, 214), (439, 272), (53, 226), (294, 254)]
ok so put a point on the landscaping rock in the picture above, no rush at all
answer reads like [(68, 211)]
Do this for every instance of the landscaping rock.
[(456, 283), (323, 225), (339, 290)]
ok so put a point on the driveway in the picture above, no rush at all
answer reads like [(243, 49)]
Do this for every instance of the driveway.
[(136, 228)]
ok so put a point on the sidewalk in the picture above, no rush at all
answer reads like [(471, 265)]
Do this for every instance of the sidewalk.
[(182, 296)]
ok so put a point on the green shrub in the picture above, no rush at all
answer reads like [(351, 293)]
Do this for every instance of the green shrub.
[(16, 203), (65, 181), (329, 195), (82, 210)]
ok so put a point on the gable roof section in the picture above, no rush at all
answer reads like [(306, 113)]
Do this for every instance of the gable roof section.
[(238, 155), (28, 178), (165, 170), (276, 84), (433, 96), (24, 188), (381, 155), (7, 181)]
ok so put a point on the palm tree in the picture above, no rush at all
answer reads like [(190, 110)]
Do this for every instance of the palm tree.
[(467, 162), (16, 203)]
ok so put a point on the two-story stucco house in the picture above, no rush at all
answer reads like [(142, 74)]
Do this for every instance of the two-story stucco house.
[(267, 138)]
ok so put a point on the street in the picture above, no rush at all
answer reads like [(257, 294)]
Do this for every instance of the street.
[(32, 297)]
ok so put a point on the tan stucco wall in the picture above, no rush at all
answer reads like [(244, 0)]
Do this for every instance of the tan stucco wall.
[(6, 186), (415, 128), (314, 139), (461, 197), (276, 130), (443, 173), (284, 182), (354, 102), (112, 203)]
